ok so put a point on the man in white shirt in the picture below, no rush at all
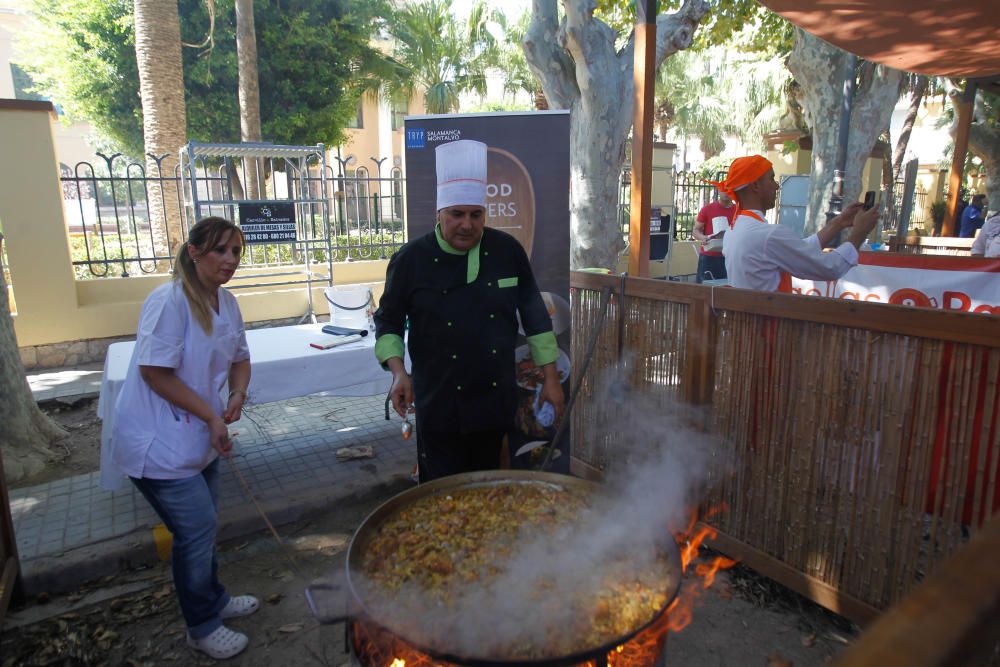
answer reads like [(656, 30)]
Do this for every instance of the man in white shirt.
[(764, 257), (987, 243)]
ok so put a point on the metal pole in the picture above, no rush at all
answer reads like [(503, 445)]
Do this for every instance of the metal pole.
[(909, 185), (378, 185), (843, 136)]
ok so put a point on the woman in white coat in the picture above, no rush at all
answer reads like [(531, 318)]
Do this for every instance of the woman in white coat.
[(171, 421)]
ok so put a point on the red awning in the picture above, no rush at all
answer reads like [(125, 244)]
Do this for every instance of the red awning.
[(955, 38)]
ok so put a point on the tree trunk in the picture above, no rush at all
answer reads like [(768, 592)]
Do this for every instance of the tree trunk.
[(818, 67), (579, 69), (27, 432), (541, 104), (916, 97), (164, 123), (249, 93)]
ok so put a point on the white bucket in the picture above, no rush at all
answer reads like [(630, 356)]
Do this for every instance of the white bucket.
[(351, 306)]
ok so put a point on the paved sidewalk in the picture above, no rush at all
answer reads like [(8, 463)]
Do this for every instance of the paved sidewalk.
[(70, 530)]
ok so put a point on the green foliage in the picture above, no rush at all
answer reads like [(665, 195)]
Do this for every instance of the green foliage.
[(938, 211), (82, 54), (437, 54), (713, 93), (724, 23), (510, 58), (497, 107), (711, 167), (107, 250)]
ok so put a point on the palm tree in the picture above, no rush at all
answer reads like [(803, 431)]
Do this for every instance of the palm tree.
[(249, 89), (714, 93), (164, 120), (755, 86), (439, 55), (691, 102)]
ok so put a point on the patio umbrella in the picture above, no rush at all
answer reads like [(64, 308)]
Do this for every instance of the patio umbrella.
[(955, 38)]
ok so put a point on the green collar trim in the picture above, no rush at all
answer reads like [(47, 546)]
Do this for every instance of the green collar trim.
[(444, 244), (472, 271)]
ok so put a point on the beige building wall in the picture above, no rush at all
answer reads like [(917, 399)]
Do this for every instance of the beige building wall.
[(54, 307), (376, 138), (362, 143)]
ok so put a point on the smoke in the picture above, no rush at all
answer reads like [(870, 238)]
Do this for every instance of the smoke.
[(555, 579)]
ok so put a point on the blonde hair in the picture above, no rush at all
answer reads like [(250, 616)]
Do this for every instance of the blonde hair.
[(206, 233)]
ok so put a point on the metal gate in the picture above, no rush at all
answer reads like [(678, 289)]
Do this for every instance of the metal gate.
[(218, 178)]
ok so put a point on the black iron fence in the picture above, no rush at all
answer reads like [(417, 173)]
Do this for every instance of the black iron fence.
[(918, 213), (117, 214), (690, 193)]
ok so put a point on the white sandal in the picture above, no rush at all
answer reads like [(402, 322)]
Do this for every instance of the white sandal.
[(221, 644), (240, 605)]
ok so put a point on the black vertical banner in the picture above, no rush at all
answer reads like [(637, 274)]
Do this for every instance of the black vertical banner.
[(527, 197)]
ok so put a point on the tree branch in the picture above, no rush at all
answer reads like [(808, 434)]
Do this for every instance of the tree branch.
[(675, 32), (589, 41), (550, 64)]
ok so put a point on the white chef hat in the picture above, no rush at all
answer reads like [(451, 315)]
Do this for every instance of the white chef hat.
[(461, 173)]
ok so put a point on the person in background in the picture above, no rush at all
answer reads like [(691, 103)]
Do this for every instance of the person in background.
[(987, 243), (462, 288), (973, 217), (765, 257), (712, 219), (171, 421)]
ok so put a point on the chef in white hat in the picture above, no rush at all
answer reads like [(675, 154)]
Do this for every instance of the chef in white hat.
[(462, 288)]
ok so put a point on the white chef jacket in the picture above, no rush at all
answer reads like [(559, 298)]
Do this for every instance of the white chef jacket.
[(987, 242), (756, 254), (152, 437)]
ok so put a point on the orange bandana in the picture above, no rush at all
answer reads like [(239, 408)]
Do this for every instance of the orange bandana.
[(742, 172)]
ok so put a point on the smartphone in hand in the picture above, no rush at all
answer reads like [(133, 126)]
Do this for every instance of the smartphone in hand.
[(869, 199)]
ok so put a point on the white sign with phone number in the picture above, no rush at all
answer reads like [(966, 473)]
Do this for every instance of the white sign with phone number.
[(927, 281)]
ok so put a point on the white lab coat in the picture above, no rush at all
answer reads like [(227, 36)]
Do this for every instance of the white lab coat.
[(152, 437), (756, 254)]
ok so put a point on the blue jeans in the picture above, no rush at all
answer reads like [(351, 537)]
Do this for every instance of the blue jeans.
[(188, 508), (711, 267)]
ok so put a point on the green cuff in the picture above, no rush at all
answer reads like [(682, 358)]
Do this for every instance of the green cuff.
[(388, 346), (544, 349)]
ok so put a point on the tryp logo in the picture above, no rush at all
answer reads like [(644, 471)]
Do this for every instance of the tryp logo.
[(416, 138)]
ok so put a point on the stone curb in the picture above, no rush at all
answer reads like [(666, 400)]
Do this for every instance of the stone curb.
[(72, 568)]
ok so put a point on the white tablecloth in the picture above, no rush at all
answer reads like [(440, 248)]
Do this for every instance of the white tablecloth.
[(283, 365)]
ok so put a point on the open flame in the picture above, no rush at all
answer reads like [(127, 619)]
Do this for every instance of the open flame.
[(377, 647), (681, 611)]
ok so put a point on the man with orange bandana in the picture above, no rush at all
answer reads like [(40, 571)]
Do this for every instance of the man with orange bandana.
[(765, 257)]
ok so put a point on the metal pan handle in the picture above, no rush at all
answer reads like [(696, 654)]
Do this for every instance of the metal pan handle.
[(323, 620)]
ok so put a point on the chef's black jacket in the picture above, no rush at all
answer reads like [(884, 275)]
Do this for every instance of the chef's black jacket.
[(462, 309)]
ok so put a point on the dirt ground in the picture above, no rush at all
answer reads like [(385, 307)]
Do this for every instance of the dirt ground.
[(133, 619), (80, 452)]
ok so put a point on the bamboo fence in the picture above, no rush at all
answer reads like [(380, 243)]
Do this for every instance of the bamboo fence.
[(862, 443)]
